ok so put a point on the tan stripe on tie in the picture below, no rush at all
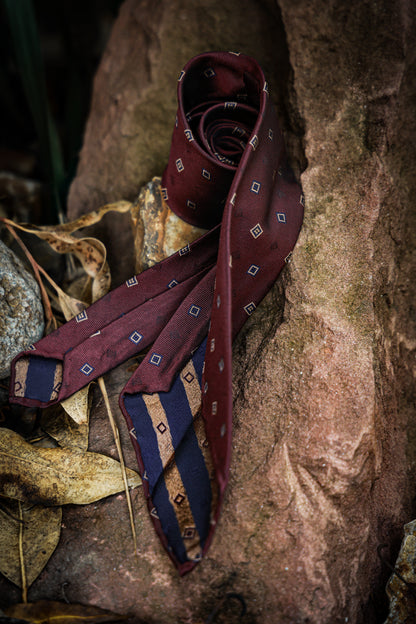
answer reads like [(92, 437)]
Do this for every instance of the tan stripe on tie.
[(177, 494), (21, 368)]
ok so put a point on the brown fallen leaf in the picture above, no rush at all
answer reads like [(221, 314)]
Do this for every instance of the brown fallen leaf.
[(57, 476), (66, 432), (41, 528), (50, 612), (90, 251), (68, 422)]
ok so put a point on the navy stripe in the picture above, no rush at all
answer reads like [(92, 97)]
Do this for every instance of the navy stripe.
[(198, 359), (195, 477), (179, 415), (40, 378), (146, 437), (188, 455), (169, 521), (147, 440)]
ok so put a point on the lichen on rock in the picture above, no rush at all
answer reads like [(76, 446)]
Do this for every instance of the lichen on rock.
[(21, 311)]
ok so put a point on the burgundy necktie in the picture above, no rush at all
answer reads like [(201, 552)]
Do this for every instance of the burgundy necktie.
[(226, 172)]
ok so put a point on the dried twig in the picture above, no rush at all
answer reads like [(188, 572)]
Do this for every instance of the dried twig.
[(35, 266), (116, 435), (21, 555)]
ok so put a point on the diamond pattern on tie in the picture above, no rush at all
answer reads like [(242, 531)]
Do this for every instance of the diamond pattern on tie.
[(254, 141), (155, 359), (82, 316), (194, 311), (253, 269), (87, 369), (135, 337), (256, 231), (255, 187), (185, 250), (189, 533), (131, 282), (249, 308)]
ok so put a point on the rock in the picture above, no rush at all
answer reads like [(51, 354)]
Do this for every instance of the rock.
[(400, 588), (324, 458), (158, 232), (21, 311)]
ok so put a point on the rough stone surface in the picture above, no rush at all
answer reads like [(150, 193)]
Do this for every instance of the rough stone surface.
[(158, 232), (324, 459), (21, 311)]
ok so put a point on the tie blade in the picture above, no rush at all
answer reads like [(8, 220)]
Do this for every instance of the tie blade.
[(178, 477), (36, 379), (182, 336)]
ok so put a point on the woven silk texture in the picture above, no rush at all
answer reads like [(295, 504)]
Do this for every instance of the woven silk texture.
[(227, 173)]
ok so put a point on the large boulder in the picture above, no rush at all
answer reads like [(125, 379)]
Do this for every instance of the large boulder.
[(324, 438)]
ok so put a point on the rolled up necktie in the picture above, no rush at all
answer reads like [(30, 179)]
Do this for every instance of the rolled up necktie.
[(227, 172)]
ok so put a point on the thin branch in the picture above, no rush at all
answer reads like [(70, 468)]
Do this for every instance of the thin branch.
[(116, 435), (35, 266), (21, 555)]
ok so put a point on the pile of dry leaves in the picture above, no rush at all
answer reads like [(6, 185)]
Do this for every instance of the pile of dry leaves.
[(52, 466)]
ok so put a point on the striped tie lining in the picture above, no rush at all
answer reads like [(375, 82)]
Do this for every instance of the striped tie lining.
[(38, 378), (176, 460)]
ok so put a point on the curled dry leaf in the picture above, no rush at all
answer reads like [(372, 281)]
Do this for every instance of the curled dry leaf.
[(41, 531), (57, 476), (50, 612), (68, 422), (90, 251), (69, 306)]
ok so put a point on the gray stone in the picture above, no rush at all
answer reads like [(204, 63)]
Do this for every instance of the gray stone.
[(21, 311)]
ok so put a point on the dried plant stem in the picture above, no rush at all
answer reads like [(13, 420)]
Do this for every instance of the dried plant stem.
[(45, 299), (21, 555), (116, 435)]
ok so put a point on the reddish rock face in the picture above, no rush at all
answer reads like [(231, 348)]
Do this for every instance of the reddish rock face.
[(324, 444)]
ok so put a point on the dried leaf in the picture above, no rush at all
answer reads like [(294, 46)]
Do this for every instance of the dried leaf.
[(69, 305), (41, 529), (68, 422), (90, 251), (77, 406), (49, 612), (57, 476)]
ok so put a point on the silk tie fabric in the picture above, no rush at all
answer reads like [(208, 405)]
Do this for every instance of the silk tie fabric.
[(226, 172)]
